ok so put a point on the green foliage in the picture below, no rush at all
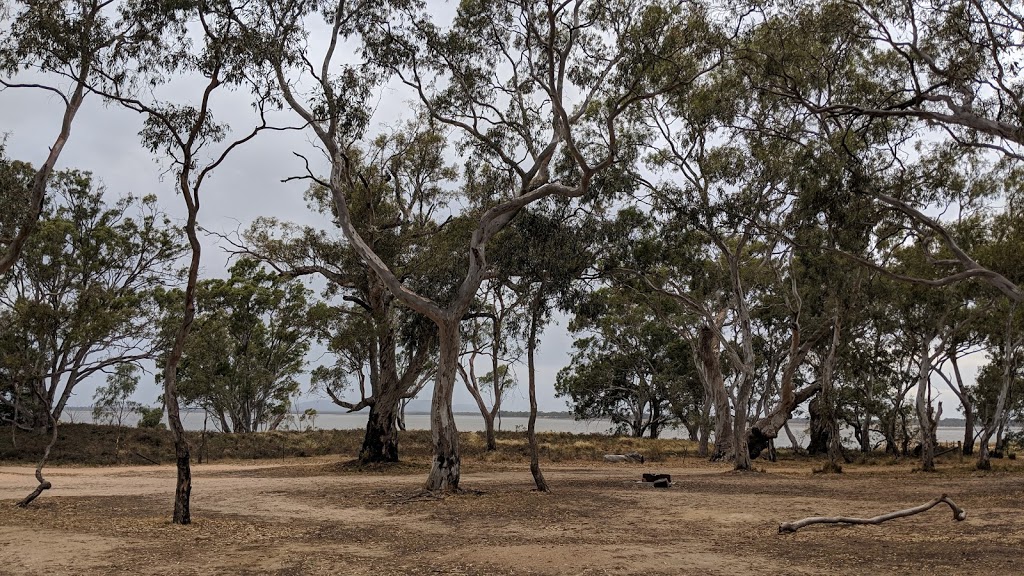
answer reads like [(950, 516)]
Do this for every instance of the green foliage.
[(246, 346), (633, 369), (151, 417), (112, 403), (81, 298)]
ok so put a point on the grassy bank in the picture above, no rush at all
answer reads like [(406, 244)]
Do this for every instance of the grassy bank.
[(89, 444)]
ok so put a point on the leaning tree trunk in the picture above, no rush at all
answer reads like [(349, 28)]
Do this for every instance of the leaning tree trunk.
[(445, 468), (531, 425), (44, 484), (793, 442), (767, 428), (474, 390), (984, 457)]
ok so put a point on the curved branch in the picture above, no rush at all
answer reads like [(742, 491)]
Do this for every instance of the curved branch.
[(958, 514)]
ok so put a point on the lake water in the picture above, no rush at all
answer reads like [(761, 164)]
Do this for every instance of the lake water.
[(475, 423)]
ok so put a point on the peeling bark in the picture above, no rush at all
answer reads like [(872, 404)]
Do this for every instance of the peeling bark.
[(445, 467), (714, 384), (531, 426)]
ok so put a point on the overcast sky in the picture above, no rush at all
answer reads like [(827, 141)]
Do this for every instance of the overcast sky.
[(105, 141)]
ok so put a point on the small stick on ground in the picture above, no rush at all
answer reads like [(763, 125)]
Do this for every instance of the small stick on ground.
[(958, 514)]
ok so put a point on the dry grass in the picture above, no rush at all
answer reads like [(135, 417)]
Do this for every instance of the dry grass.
[(87, 444)]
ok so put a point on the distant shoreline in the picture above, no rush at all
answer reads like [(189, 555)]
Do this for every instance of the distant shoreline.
[(944, 423), (502, 414)]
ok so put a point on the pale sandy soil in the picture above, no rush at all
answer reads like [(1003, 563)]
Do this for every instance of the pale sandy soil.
[(318, 517)]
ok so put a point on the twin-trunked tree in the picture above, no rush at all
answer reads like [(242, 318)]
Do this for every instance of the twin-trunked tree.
[(536, 93)]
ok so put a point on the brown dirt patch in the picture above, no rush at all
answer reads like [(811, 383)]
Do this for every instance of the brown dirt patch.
[(321, 516)]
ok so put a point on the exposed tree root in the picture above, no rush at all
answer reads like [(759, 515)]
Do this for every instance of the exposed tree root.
[(958, 514)]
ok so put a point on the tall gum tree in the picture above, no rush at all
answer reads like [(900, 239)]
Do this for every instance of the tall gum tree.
[(80, 300), (59, 47), (931, 72), (538, 91), (183, 134), (396, 212)]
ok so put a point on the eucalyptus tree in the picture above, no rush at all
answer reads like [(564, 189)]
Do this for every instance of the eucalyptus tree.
[(1000, 249), (542, 255), (181, 39), (112, 403), (538, 93), (939, 76), (398, 213), (499, 309), (81, 299), (628, 366), (999, 380), (60, 48), (726, 173), (248, 344)]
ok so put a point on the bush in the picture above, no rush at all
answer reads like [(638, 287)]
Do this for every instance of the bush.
[(151, 417)]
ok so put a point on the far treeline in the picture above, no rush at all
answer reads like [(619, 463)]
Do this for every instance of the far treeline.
[(743, 207)]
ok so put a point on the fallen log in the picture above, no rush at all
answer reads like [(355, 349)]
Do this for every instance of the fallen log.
[(631, 457), (958, 514)]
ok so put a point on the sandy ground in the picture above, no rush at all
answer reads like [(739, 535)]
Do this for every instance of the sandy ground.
[(318, 517)]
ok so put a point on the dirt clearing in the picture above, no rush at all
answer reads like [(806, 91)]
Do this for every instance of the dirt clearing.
[(320, 517)]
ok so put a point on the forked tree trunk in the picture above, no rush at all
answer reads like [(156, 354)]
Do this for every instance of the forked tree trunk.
[(445, 467), (765, 429), (531, 426), (768, 427)]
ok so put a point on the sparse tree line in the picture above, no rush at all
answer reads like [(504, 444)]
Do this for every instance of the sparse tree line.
[(746, 209)]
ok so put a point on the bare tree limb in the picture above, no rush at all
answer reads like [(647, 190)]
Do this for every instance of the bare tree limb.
[(959, 514)]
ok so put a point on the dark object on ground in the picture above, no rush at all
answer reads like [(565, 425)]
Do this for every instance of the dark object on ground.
[(655, 477), (958, 514)]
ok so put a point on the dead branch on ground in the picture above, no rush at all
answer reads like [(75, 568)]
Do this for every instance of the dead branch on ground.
[(958, 514)]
